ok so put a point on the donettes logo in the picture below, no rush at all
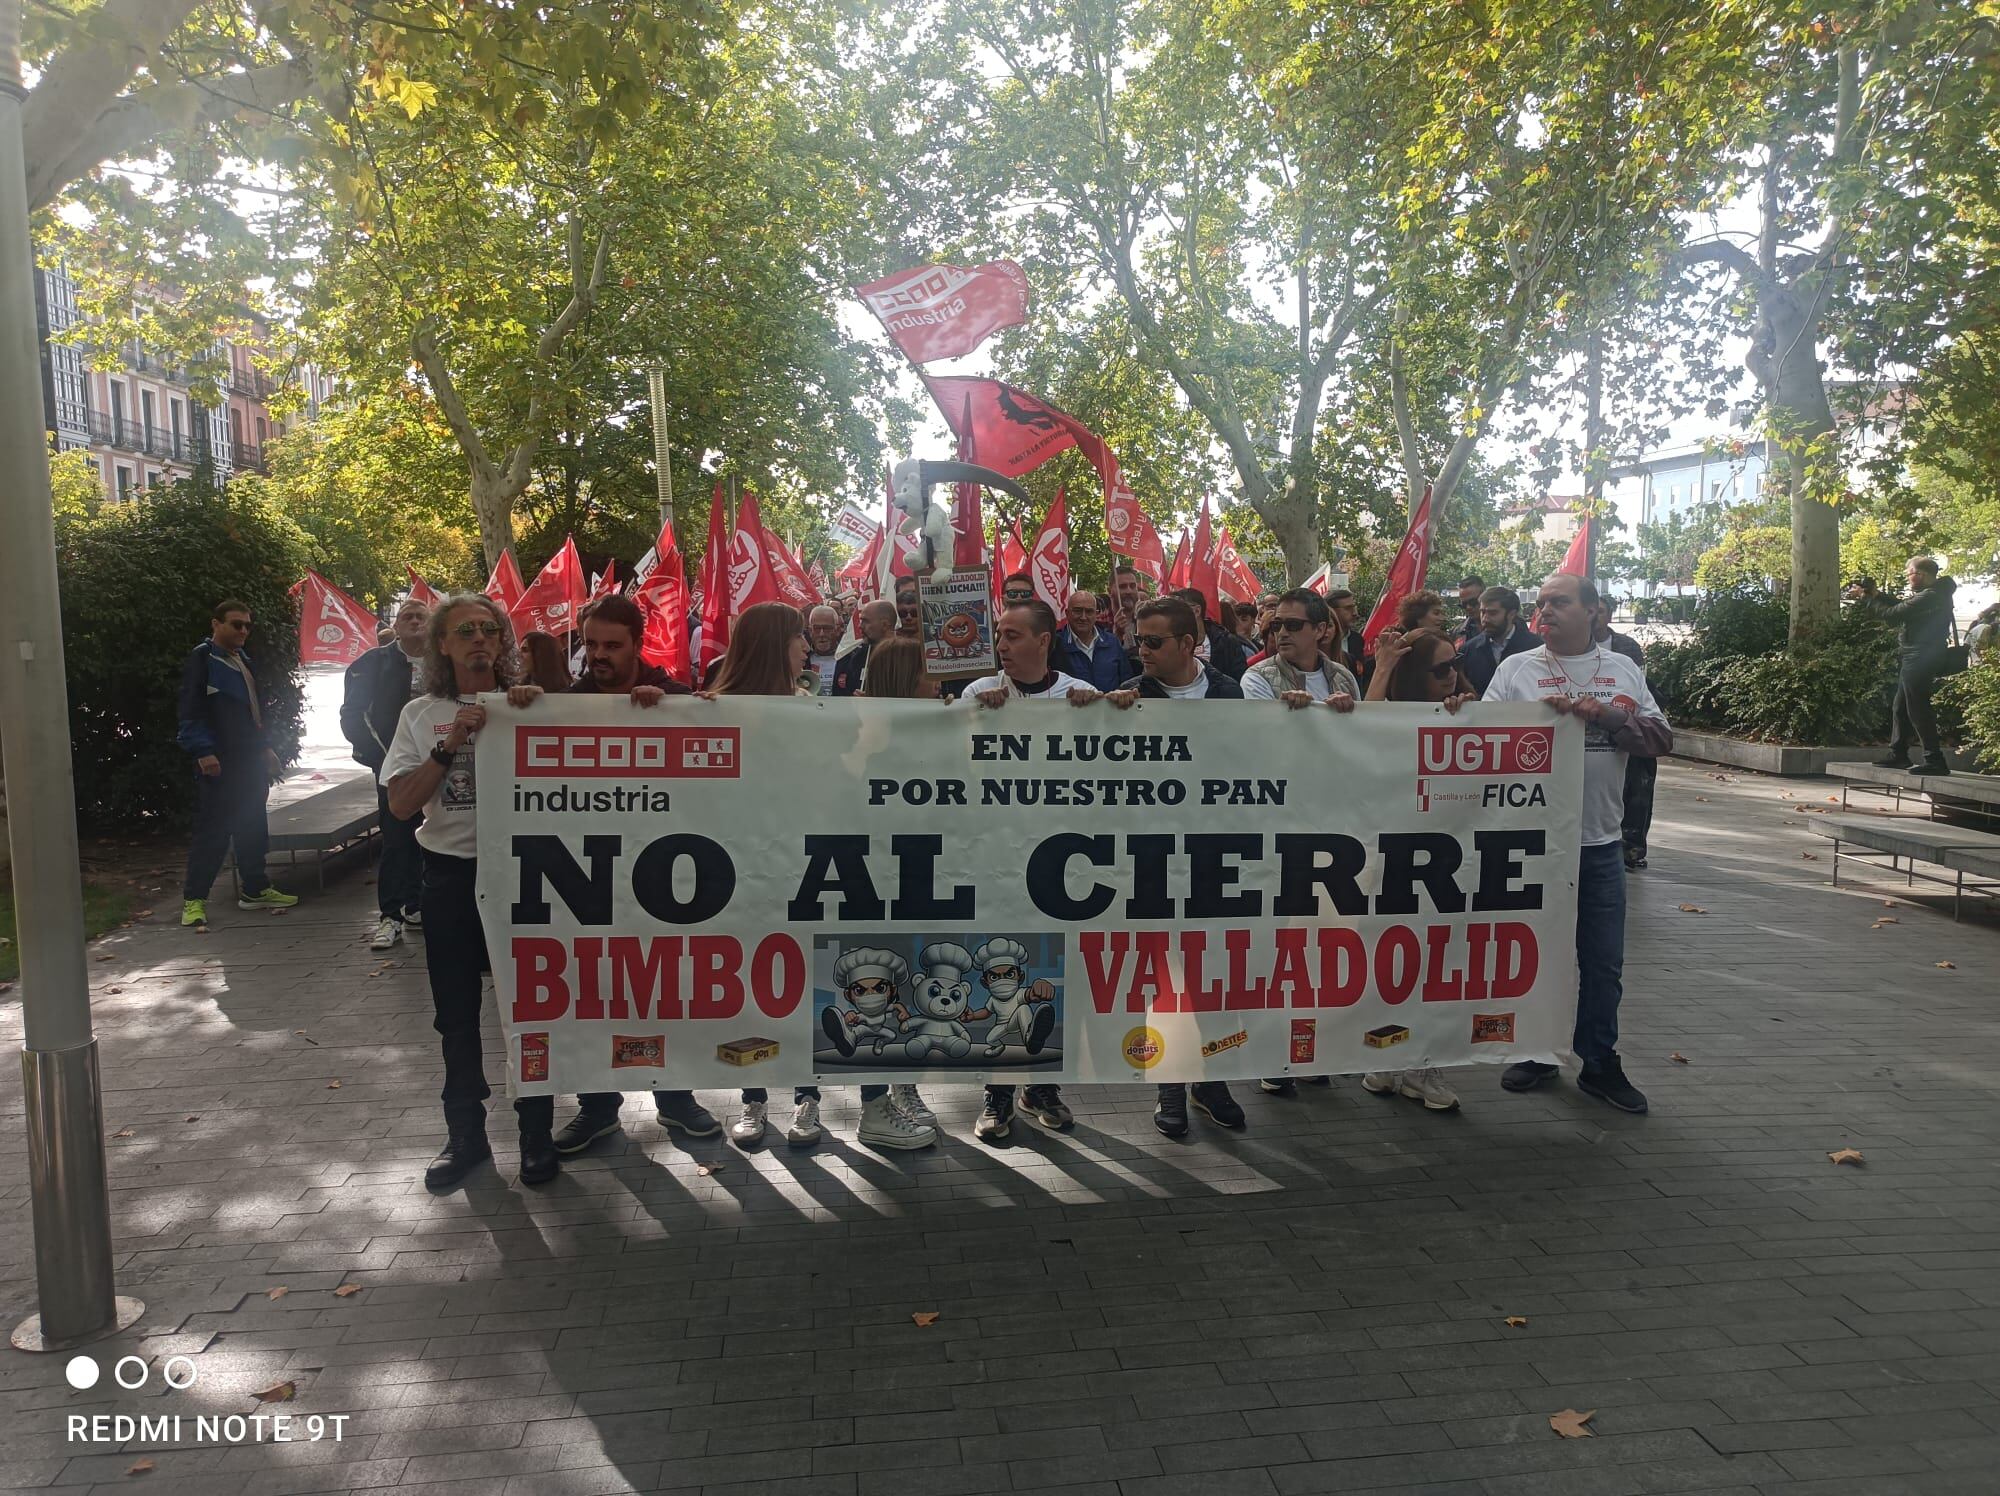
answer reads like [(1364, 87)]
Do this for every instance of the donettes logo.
[(1144, 1047), (628, 752)]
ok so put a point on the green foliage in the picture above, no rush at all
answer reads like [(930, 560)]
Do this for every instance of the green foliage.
[(138, 583), (1748, 556), (1973, 695), (77, 485)]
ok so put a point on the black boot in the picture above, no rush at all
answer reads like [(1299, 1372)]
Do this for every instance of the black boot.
[(539, 1163), (463, 1152)]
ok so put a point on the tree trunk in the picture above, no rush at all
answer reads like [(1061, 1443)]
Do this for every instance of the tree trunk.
[(493, 496), (1786, 361)]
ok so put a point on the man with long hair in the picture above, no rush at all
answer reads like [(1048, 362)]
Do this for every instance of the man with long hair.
[(429, 768)]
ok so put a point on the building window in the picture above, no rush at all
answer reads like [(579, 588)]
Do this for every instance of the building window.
[(149, 416), (117, 412), (175, 413), (124, 480), (263, 431)]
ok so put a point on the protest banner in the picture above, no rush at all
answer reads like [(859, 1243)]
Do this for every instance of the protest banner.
[(772, 891), (958, 624)]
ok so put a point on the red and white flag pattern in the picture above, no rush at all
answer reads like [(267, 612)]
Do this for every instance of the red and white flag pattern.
[(420, 590), (554, 598), (662, 595), (505, 585), (946, 311), (1406, 572), (1048, 557), (715, 609), (1232, 573), (752, 576), (334, 629)]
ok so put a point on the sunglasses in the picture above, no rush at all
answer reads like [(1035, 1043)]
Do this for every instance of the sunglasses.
[(1017, 597), (1444, 670), (477, 630), (1290, 625), (1153, 641)]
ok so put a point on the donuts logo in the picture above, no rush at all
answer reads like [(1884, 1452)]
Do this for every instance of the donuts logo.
[(1143, 1048)]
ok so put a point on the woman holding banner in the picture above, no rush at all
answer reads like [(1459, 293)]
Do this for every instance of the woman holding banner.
[(768, 650)]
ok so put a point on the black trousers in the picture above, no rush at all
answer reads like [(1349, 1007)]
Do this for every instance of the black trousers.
[(455, 954), (1913, 717), (400, 879), (229, 807), (1641, 774)]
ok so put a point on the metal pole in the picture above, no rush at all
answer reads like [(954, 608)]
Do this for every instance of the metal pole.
[(663, 463), (66, 1174)]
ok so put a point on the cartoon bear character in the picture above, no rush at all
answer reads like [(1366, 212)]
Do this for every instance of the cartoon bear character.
[(872, 981), (939, 997), (1022, 1014)]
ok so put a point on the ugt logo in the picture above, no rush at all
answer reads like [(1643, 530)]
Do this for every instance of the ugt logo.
[(1485, 751)]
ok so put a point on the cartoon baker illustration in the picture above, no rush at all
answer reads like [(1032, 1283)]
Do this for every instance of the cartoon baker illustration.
[(1023, 1017), (871, 980)]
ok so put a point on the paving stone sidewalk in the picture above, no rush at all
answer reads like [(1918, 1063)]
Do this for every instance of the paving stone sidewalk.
[(1319, 1304)]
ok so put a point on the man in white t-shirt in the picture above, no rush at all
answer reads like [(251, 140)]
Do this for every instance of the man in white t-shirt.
[(1303, 632), (1608, 694), (1023, 637), (429, 768)]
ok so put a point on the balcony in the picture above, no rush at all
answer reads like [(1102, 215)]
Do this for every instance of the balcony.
[(252, 384), (249, 458), (116, 431)]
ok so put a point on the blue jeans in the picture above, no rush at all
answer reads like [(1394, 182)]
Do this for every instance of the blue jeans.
[(1600, 951)]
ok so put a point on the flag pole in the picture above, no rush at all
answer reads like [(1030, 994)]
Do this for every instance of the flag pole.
[(663, 462), (67, 1184)]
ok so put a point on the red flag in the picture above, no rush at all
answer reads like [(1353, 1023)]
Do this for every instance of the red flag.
[(1576, 560), (1201, 565), (890, 562), (752, 577), (1010, 554), (1015, 432), (946, 311), (505, 585), (333, 628), (1048, 557), (607, 583), (968, 547), (860, 572), (422, 591), (715, 609), (1177, 574), (662, 595), (1232, 573), (794, 586), (1406, 572), (816, 574), (554, 598)]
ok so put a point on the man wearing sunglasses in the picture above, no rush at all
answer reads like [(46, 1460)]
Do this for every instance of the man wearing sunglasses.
[(222, 729), (1302, 631), (1575, 677)]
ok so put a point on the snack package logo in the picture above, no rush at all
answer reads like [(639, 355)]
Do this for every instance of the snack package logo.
[(1383, 1037), (1485, 750), (534, 1057), (1492, 1028), (1144, 1048), (752, 1051), (630, 1050), (579, 752), (1305, 1039), (1229, 1041)]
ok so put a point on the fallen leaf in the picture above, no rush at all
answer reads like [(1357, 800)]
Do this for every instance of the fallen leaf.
[(1570, 1423), (114, 990), (711, 1168), (281, 911), (1847, 1156), (123, 1132), (142, 914), (1692, 909), (277, 1293), (1678, 1058), (1888, 903), (1517, 1320), (1887, 919), (195, 1118), (333, 1085), (347, 1290), (286, 1391), (1701, 799), (1810, 856), (104, 958), (1946, 965), (140, 1467), (1835, 799), (924, 1318)]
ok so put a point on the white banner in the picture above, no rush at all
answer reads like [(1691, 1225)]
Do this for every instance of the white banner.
[(769, 891)]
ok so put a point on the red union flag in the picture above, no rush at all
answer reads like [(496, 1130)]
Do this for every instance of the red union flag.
[(1048, 557), (606, 582), (946, 311), (1232, 573), (1125, 524), (662, 595), (420, 590), (505, 585), (333, 628), (752, 576), (1406, 572), (556, 596), (794, 586), (1201, 565), (715, 609), (1576, 560), (1177, 574)]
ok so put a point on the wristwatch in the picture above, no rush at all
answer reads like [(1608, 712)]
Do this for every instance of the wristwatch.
[(442, 756)]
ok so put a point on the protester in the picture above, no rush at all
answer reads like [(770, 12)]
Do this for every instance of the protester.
[(1244, 617), (1016, 589), (614, 631), (1607, 692), (896, 670), (430, 768), (1501, 636), (1471, 598), (1924, 619), (844, 604), (823, 631), (1641, 772), (221, 714), (1425, 610), (767, 657), (1346, 610), (1983, 638), (1219, 646), (1023, 639), (1088, 652), (1128, 592), (876, 621), (909, 609), (545, 662), (1303, 629), (374, 692)]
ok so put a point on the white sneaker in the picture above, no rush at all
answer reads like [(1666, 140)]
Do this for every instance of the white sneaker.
[(1382, 1082), (749, 1127), (387, 932), (1428, 1087), (805, 1129), (913, 1106), (886, 1125), (414, 918)]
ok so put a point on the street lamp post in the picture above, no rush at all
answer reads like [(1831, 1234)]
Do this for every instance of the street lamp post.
[(66, 1172)]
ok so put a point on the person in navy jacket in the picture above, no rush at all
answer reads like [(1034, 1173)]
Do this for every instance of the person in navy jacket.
[(1092, 654)]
